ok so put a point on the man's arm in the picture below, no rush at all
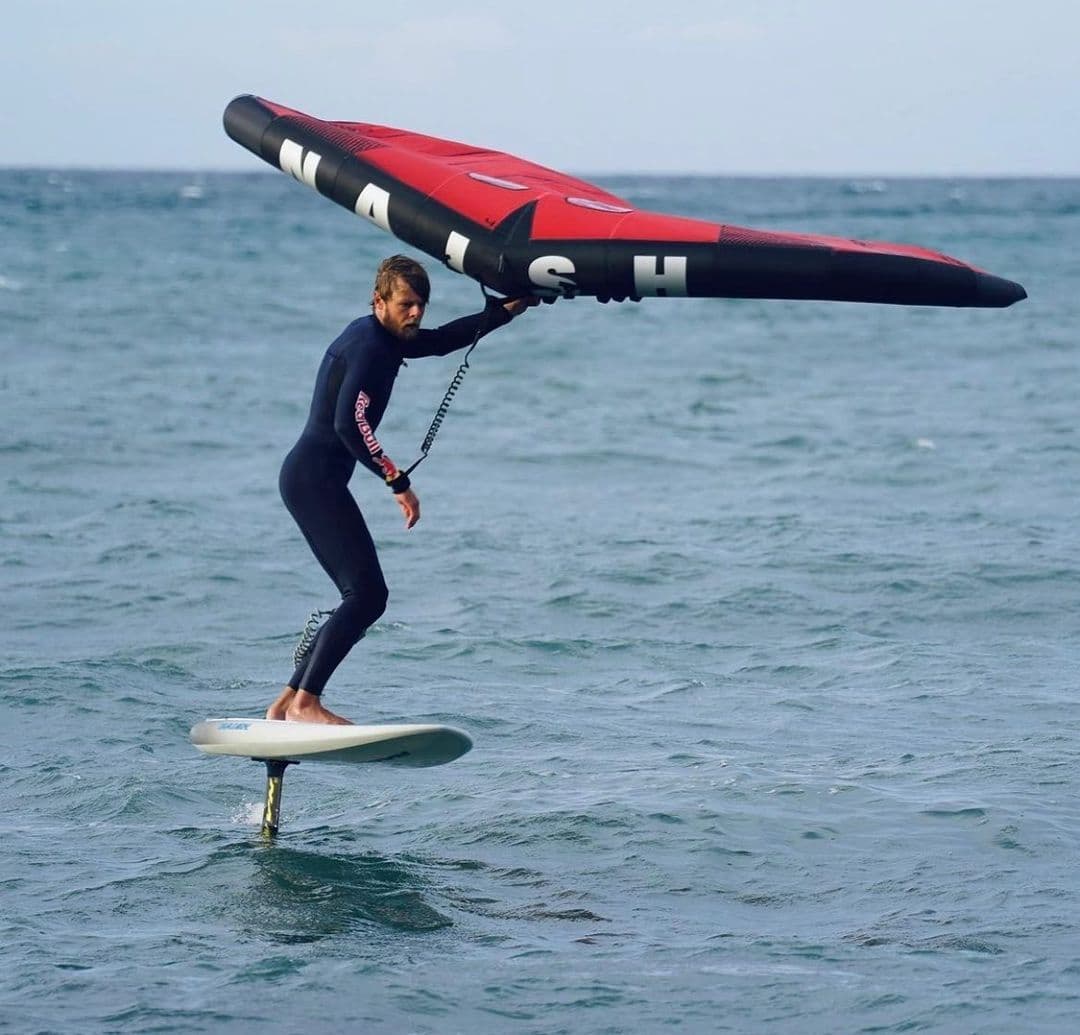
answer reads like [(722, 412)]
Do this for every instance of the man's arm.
[(353, 427), (462, 332)]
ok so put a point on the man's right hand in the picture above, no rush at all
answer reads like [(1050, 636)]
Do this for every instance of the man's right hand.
[(516, 306), (410, 506)]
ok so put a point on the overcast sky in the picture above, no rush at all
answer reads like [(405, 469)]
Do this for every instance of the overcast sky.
[(865, 87)]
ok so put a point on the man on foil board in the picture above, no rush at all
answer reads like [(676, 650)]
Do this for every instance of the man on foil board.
[(352, 390)]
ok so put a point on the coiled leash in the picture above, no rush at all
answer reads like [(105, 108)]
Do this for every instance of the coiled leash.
[(452, 388), (307, 637)]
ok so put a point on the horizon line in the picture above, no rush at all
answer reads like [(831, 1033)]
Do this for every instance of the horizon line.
[(670, 173)]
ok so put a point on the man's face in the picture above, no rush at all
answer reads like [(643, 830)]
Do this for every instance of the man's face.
[(402, 312)]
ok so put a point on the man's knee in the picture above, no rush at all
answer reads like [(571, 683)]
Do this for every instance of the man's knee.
[(364, 608), (379, 599)]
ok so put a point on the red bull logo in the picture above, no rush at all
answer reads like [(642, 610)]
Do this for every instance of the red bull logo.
[(386, 465)]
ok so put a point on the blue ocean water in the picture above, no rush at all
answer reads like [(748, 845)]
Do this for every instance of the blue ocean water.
[(763, 616)]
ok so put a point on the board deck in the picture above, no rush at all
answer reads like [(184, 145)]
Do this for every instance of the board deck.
[(407, 744)]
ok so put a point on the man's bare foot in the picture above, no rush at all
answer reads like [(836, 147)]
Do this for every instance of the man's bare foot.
[(305, 707), (279, 709)]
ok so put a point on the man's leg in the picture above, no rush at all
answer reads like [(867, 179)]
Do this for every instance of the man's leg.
[(338, 536)]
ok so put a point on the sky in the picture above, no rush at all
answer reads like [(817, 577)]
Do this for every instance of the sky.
[(785, 87)]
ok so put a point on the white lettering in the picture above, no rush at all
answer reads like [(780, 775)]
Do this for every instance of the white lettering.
[(552, 275), (374, 204), (653, 278), (300, 166), (386, 465), (456, 244)]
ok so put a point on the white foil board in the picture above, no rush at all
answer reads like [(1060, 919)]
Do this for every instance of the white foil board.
[(408, 744)]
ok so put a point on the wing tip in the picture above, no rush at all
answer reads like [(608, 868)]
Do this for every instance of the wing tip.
[(997, 292)]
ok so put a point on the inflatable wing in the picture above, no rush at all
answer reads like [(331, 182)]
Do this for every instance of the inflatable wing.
[(523, 229)]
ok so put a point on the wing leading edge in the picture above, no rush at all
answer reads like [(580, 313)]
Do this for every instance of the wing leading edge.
[(521, 228)]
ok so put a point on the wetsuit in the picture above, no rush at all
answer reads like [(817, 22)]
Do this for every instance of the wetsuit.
[(352, 389)]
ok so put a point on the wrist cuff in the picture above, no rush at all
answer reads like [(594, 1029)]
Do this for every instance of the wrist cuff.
[(399, 484)]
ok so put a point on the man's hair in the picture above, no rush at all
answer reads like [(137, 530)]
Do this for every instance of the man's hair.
[(409, 270)]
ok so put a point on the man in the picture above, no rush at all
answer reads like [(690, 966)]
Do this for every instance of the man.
[(352, 389)]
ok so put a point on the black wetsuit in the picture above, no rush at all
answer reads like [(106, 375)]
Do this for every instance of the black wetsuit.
[(351, 392)]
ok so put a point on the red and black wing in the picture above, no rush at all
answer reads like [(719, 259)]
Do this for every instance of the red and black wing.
[(521, 228)]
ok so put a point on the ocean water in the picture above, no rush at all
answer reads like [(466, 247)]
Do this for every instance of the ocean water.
[(763, 616)]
